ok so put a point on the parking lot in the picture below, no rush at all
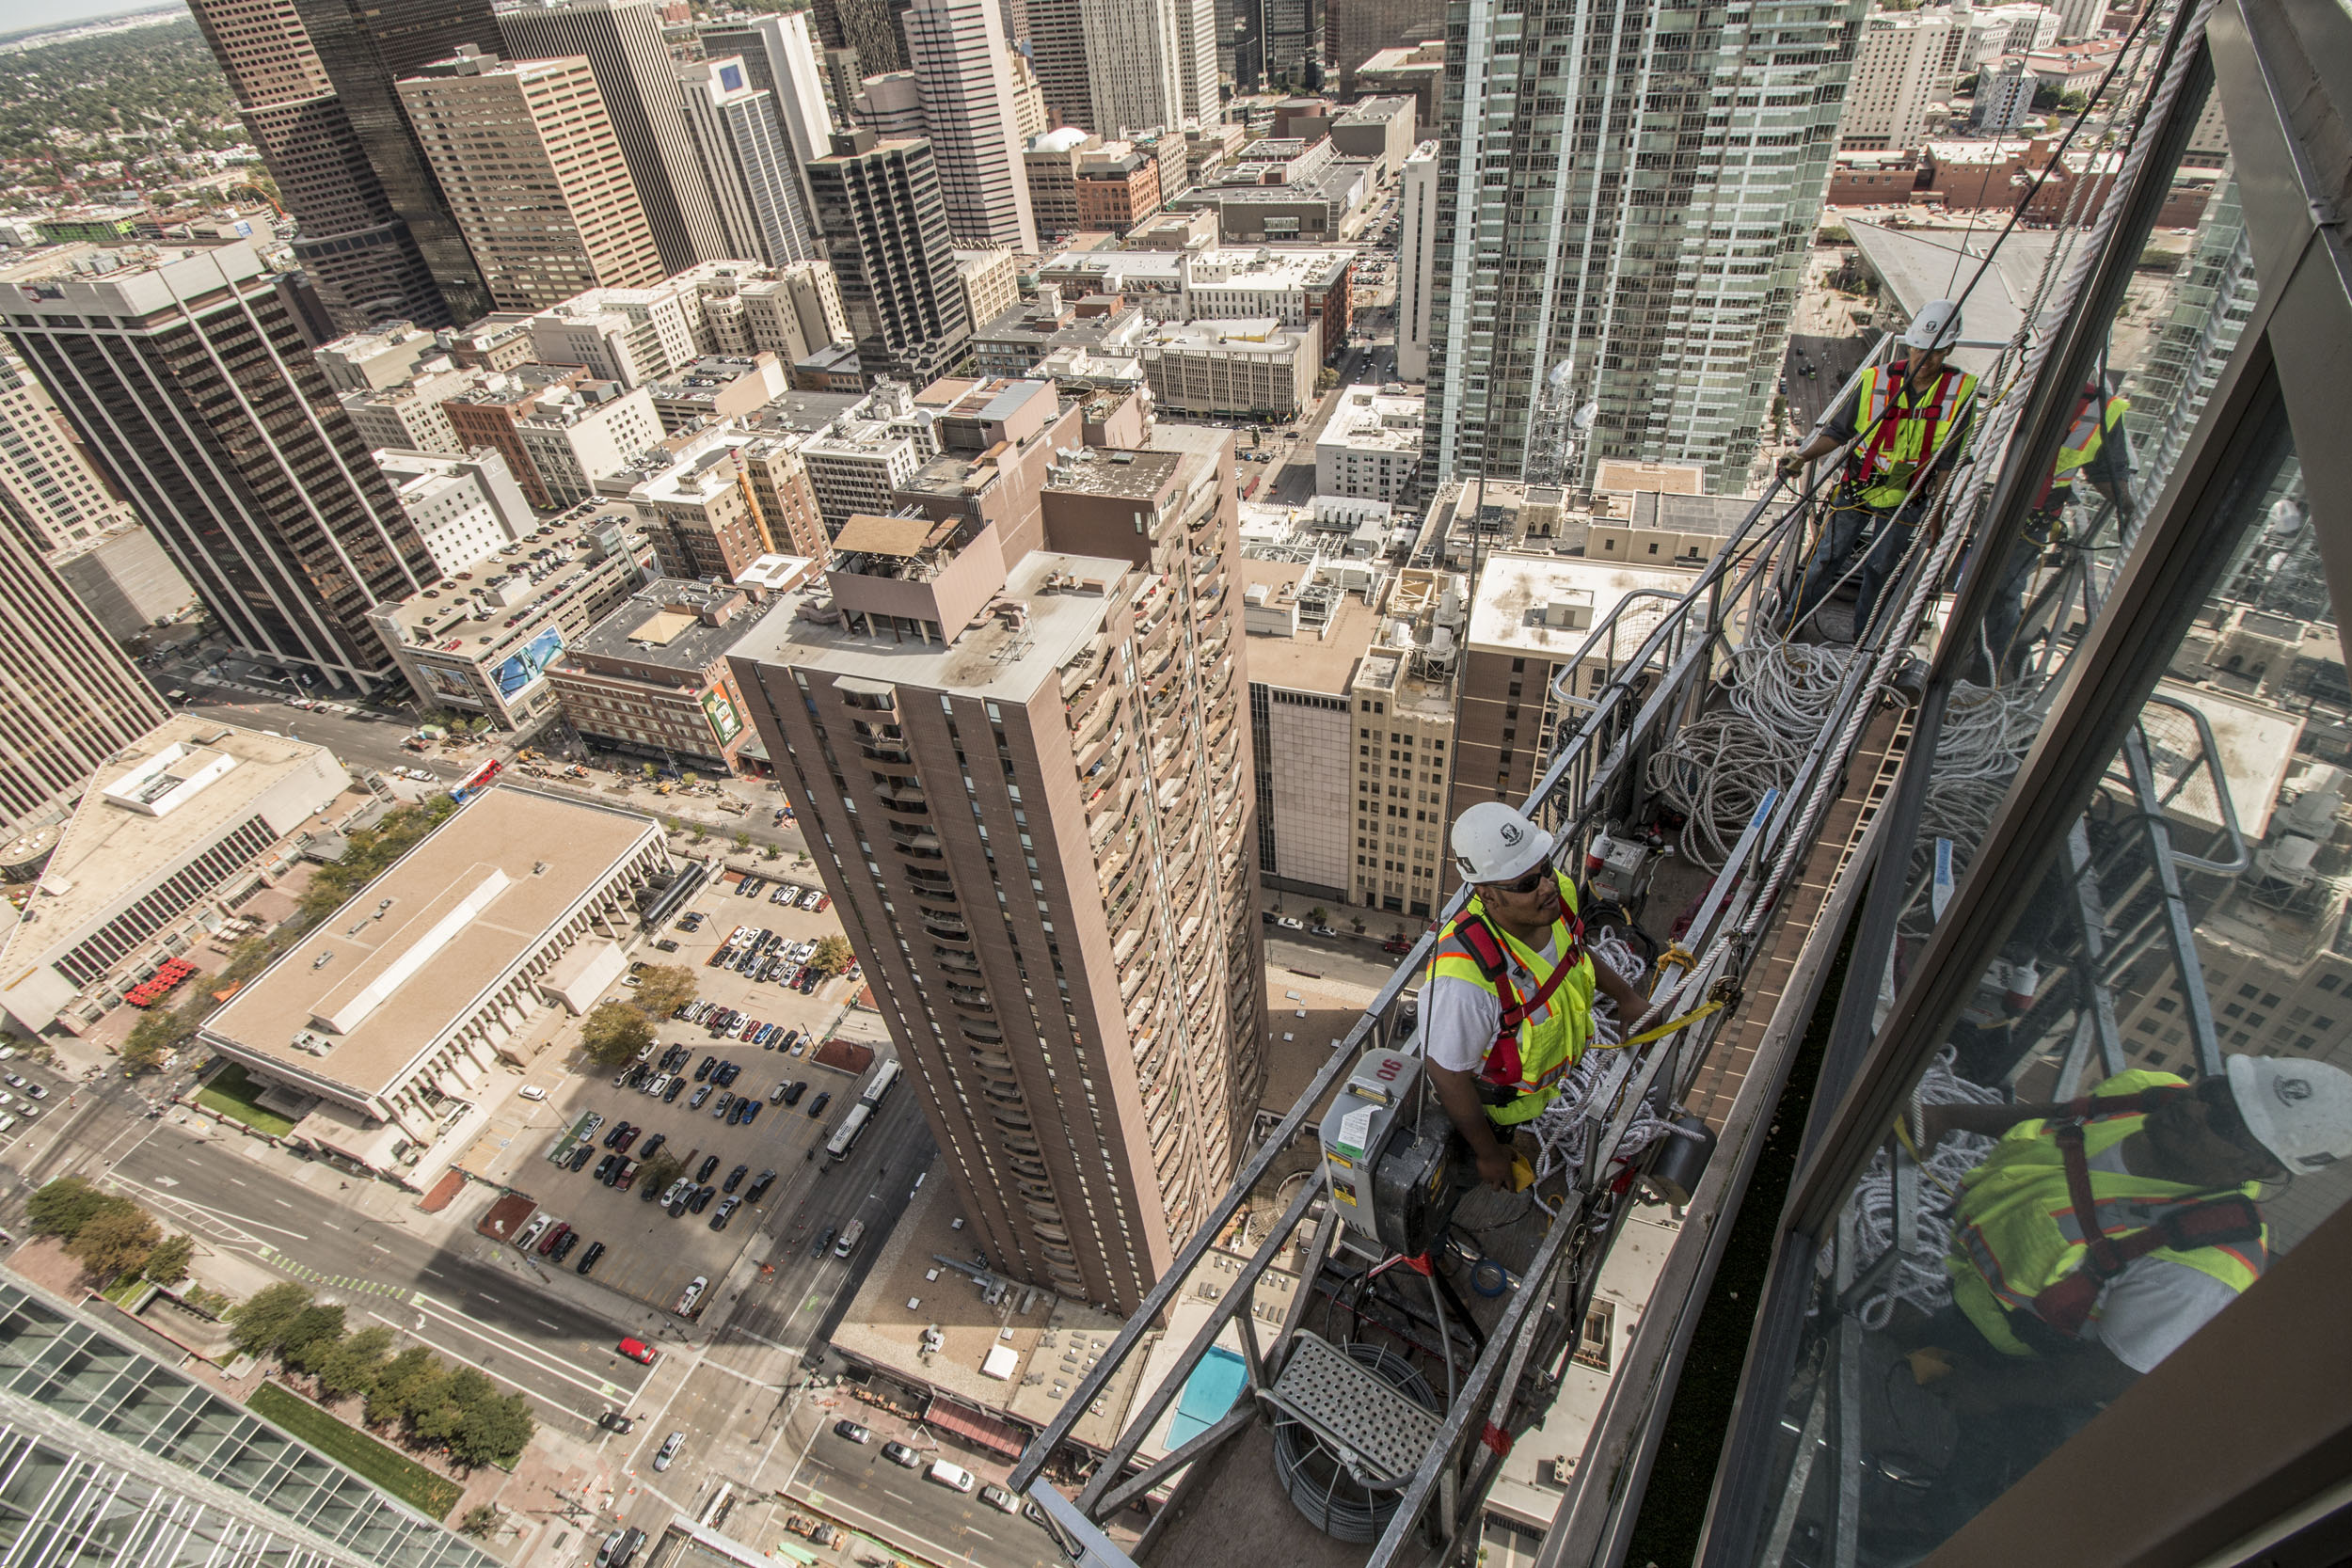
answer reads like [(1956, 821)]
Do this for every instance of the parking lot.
[(649, 1255), (30, 1093)]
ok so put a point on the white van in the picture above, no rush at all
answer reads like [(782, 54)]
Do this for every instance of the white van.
[(951, 1475), (7, 1122)]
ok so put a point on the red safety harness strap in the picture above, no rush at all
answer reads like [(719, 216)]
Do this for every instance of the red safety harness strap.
[(1894, 382), (1486, 949), (2224, 1220)]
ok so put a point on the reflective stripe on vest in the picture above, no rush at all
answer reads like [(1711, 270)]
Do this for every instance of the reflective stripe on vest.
[(2083, 441), (1549, 1041), (2017, 1232), (1898, 431)]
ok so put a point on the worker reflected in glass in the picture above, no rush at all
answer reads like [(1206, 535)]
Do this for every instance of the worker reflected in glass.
[(1902, 417), (1508, 1007), (2097, 453), (2052, 1317)]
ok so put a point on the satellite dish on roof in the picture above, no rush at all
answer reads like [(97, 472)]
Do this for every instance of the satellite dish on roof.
[(1586, 415)]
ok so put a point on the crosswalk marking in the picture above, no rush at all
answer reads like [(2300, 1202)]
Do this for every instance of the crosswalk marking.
[(342, 1282)]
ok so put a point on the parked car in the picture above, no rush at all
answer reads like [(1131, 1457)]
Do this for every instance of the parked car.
[(707, 1065), (708, 1165), (898, 1454), (781, 1093), (678, 1205), (734, 1179), (619, 1548), (628, 1137), (563, 1246), (701, 1198), (948, 1474), (533, 1231), (663, 944), (677, 1086), (747, 1112), (851, 1431), (654, 1086), (668, 1448), (587, 1261), (611, 1420), (580, 1155), (532, 1091), (1000, 1499), (823, 1242), (548, 1242), (817, 1107), (761, 1185), (700, 1095), (604, 1167), (726, 1103), (612, 1139), (637, 1349), (727, 1206), (653, 1146), (693, 1294), (792, 1093)]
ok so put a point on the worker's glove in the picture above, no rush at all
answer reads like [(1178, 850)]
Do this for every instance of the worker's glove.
[(1789, 465)]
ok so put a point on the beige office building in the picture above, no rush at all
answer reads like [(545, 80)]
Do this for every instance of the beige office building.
[(528, 157)]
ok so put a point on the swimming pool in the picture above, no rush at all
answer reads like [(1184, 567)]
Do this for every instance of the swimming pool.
[(1208, 1393)]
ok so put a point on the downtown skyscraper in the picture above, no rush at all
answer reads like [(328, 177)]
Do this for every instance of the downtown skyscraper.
[(1013, 720), (623, 42), (187, 379), (360, 250), (964, 70), (885, 228), (1626, 197)]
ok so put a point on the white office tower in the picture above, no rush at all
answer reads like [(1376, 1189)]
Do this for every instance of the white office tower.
[(963, 73), (780, 57), (754, 179), (1653, 253), (1416, 261), (1905, 61), (1150, 64)]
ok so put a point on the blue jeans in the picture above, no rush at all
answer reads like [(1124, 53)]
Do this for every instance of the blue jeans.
[(1851, 529)]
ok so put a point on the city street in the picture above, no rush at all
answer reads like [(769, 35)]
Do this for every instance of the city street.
[(471, 1300)]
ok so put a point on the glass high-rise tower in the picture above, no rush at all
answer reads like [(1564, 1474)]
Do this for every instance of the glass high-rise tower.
[(1627, 191), (107, 1456)]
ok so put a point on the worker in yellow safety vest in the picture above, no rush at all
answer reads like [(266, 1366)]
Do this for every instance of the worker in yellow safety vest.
[(1903, 418), (1507, 1008), (2100, 1234), (2098, 452)]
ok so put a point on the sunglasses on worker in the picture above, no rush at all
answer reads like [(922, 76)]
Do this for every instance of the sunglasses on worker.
[(1528, 884)]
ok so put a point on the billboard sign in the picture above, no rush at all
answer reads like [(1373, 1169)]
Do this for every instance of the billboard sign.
[(529, 664), (720, 709)]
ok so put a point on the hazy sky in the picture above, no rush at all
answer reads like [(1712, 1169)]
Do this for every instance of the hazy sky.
[(17, 15)]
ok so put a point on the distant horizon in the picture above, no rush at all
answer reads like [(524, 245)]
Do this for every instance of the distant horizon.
[(32, 16)]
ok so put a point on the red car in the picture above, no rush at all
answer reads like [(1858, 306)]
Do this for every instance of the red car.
[(547, 1243), (637, 1349)]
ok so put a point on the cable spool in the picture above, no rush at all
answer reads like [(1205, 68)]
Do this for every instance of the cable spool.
[(1319, 1481)]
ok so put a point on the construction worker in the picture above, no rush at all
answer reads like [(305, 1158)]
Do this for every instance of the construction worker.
[(2097, 452), (1508, 1006), (1903, 416), (2171, 1171)]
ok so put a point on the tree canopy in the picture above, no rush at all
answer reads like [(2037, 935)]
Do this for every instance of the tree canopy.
[(833, 956), (664, 989), (613, 1033)]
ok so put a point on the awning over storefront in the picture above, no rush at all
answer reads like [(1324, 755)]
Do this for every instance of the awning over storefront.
[(987, 1431)]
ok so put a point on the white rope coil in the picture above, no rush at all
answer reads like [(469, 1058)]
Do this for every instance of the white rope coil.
[(1918, 1276), (1774, 701)]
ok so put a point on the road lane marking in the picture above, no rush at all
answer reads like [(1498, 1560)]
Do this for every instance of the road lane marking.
[(522, 1349), (974, 1529), (544, 1324), (234, 1182), (491, 1299), (437, 1273), (281, 1203)]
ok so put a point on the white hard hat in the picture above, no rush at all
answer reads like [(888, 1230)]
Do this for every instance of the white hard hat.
[(2299, 1110), (1494, 844), (1937, 325)]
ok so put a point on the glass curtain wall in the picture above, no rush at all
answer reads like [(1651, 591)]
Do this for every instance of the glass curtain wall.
[(2098, 1015)]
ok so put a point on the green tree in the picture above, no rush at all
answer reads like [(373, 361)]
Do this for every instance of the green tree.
[(481, 1522), (257, 1324), (664, 989), (164, 1030), (115, 1243), (660, 1171), (742, 839), (612, 1033), (354, 1363), (439, 1416), (168, 1263), (406, 1379), (62, 1207), (496, 1429), (832, 955), (310, 1337), (1325, 379)]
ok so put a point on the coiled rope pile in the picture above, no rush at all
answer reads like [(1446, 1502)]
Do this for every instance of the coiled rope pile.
[(1918, 1276), (1775, 700)]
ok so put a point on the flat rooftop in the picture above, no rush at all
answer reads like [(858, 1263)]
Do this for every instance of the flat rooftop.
[(528, 574), (1128, 475), (1045, 1350), (406, 960), (661, 624), (1511, 586), (1315, 659), (988, 659), (105, 841)]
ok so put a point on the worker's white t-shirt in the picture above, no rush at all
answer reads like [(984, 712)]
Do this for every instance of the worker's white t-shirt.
[(1458, 1019), (2148, 1310)]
